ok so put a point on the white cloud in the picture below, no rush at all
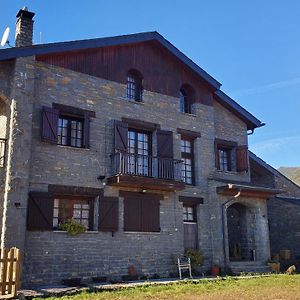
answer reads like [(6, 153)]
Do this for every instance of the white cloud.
[(279, 150), (267, 87)]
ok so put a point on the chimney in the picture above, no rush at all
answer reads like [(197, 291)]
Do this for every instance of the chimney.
[(24, 28)]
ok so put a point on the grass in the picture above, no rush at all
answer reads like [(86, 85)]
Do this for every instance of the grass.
[(273, 287)]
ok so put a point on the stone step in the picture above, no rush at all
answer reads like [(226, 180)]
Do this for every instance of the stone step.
[(247, 267)]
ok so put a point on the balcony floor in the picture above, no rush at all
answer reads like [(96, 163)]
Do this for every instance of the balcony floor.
[(147, 183)]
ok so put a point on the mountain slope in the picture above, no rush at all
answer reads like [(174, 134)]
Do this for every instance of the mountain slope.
[(292, 173)]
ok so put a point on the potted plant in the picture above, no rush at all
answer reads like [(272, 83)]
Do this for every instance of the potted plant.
[(72, 227), (197, 259)]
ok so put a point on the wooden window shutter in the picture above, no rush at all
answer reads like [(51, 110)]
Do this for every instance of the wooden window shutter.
[(150, 215), (242, 158), (49, 124), (109, 214), (217, 156), (40, 211), (86, 130), (164, 144), (132, 214), (121, 136)]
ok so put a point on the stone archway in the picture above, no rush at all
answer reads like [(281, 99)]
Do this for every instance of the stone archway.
[(240, 232)]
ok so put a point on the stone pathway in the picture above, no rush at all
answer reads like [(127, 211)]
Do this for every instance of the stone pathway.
[(54, 291)]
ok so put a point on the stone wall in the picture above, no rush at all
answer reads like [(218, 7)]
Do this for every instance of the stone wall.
[(51, 256), (284, 220)]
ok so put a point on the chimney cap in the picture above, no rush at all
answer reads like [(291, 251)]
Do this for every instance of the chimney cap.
[(24, 13)]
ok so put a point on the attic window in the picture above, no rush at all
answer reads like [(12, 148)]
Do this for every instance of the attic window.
[(135, 85), (186, 95)]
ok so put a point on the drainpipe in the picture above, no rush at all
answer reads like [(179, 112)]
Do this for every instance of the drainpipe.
[(223, 223)]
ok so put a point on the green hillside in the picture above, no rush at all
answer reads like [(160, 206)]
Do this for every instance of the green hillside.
[(292, 173)]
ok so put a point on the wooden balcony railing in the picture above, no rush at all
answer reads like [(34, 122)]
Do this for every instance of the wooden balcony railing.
[(147, 166), (2, 152)]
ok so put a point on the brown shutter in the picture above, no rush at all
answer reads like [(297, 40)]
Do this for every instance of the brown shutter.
[(49, 124), (132, 214), (242, 158), (121, 136), (109, 214), (164, 144), (40, 211), (86, 130), (217, 157), (150, 215)]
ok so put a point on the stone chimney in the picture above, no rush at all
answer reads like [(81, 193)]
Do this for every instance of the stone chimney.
[(24, 28)]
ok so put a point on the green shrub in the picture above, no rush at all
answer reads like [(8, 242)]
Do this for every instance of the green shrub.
[(196, 257), (72, 227)]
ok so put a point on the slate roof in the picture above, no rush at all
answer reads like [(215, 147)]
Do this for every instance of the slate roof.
[(40, 49)]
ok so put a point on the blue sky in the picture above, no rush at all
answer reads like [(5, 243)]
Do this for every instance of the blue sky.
[(251, 47)]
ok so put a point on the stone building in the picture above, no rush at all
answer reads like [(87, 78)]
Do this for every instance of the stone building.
[(130, 138), (283, 209)]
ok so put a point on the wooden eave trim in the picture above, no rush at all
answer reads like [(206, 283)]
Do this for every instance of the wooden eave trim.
[(74, 190), (225, 143), (73, 110), (247, 191), (139, 195), (139, 124), (190, 200), (188, 133)]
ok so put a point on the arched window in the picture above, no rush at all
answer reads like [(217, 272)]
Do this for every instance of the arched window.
[(186, 95), (135, 85)]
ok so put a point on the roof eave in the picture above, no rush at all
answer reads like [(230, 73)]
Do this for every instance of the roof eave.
[(251, 121)]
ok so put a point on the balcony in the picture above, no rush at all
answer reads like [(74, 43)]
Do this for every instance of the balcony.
[(146, 172)]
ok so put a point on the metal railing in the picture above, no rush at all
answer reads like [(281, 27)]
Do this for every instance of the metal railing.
[(2, 152), (145, 165)]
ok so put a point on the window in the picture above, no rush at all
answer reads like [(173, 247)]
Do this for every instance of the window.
[(225, 159), (139, 150), (186, 95), (189, 213), (187, 156), (135, 85), (66, 125), (226, 155), (72, 208), (70, 132), (141, 211)]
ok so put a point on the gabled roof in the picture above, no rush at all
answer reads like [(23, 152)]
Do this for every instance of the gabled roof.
[(41, 49)]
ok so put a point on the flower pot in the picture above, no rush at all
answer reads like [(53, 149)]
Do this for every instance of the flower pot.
[(215, 270)]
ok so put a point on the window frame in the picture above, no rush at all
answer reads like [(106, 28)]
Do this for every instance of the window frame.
[(225, 147), (66, 198), (136, 155), (186, 213), (134, 86), (188, 155), (70, 118), (186, 99)]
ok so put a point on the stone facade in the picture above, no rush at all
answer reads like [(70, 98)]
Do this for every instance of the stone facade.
[(26, 86), (283, 210)]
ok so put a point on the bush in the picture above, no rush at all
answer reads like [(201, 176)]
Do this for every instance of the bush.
[(72, 227), (196, 257)]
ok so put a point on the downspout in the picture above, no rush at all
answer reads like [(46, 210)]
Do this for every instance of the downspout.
[(223, 223)]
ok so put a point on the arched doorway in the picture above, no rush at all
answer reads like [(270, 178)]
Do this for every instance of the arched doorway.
[(239, 242)]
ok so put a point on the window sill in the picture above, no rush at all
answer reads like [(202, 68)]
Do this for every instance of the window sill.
[(73, 148), (229, 172), (86, 232), (187, 114), (189, 222), (133, 101), (141, 232)]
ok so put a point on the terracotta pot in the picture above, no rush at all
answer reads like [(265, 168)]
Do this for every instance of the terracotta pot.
[(215, 270)]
